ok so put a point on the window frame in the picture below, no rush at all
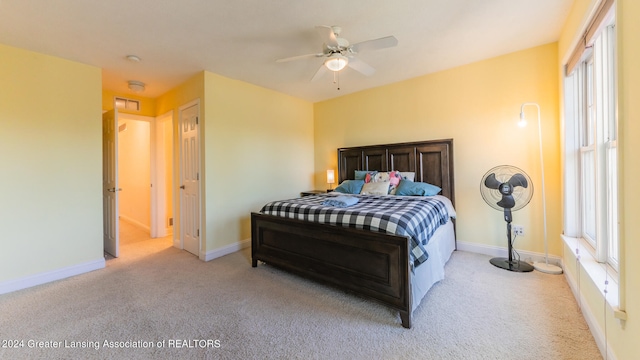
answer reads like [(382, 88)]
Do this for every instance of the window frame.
[(592, 107)]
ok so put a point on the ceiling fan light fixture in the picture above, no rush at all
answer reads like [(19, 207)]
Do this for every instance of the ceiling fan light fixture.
[(336, 62), (136, 86)]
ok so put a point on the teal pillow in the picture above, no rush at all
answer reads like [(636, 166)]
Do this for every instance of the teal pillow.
[(410, 188), (360, 174), (350, 187)]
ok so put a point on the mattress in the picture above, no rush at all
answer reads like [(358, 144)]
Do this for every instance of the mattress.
[(415, 217)]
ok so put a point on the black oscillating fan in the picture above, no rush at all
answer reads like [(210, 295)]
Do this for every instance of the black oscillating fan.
[(507, 188)]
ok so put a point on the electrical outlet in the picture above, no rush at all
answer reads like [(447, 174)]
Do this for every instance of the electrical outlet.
[(518, 230)]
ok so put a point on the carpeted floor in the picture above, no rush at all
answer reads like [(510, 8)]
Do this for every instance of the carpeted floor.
[(159, 302)]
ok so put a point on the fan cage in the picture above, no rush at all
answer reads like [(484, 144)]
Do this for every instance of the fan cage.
[(503, 173)]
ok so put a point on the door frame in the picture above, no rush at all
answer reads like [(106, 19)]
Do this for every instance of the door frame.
[(158, 178), (154, 230), (158, 208)]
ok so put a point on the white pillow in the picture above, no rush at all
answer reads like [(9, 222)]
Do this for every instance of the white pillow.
[(375, 188), (408, 175)]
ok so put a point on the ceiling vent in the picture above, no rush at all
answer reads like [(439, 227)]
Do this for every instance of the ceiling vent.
[(127, 104)]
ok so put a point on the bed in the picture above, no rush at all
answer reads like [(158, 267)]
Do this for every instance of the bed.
[(377, 265)]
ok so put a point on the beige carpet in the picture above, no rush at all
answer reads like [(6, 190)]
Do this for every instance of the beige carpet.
[(224, 309)]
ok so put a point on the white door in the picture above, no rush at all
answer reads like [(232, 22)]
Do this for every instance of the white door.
[(110, 183), (189, 179)]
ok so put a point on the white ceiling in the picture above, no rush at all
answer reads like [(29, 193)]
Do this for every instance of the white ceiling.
[(241, 39)]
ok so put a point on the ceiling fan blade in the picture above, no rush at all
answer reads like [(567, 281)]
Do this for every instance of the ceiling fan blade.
[(321, 71), (375, 44), (518, 180), (292, 58), (491, 182), (507, 202), (327, 35), (361, 66)]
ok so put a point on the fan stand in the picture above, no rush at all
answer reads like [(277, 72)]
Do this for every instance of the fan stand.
[(509, 263)]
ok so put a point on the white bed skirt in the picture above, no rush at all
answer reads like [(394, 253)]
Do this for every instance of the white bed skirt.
[(440, 247)]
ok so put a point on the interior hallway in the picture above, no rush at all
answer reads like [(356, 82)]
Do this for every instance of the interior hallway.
[(136, 242)]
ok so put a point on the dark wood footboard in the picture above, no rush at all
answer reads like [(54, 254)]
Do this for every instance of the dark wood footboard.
[(375, 265)]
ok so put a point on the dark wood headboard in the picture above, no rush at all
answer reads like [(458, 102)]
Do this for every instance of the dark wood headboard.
[(432, 161)]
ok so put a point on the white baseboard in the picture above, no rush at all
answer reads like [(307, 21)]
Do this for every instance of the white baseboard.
[(497, 251), (135, 222), (226, 250), (49, 276)]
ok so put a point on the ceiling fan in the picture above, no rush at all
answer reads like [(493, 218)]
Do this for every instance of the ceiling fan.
[(338, 53)]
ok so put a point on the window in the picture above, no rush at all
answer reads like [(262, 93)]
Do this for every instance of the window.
[(591, 130)]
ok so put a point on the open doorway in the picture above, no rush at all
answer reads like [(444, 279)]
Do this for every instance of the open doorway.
[(143, 160), (134, 177)]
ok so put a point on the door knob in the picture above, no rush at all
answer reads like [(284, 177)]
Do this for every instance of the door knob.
[(114, 189), (182, 187)]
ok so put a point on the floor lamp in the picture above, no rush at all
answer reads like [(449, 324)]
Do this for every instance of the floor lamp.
[(544, 267)]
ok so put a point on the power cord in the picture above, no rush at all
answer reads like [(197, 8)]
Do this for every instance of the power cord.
[(515, 253)]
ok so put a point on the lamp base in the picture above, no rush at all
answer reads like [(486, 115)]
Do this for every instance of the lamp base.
[(547, 268), (513, 265)]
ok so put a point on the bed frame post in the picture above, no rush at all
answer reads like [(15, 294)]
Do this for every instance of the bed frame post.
[(405, 316)]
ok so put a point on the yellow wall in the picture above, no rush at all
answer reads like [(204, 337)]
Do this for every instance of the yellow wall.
[(51, 161), (477, 105), (626, 337), (622, 336), (134, 172), (258, 148)]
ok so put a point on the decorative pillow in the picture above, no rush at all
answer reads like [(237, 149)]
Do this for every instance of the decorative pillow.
[(408, 175), (375, 188), (410, 188), (393, 177), (350, 187), (372, 176)]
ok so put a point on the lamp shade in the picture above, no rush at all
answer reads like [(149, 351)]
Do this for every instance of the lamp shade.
[(336, 62), (331, 178)]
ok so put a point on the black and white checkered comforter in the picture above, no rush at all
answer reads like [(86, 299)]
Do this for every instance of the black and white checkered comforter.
[(416, 217)]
